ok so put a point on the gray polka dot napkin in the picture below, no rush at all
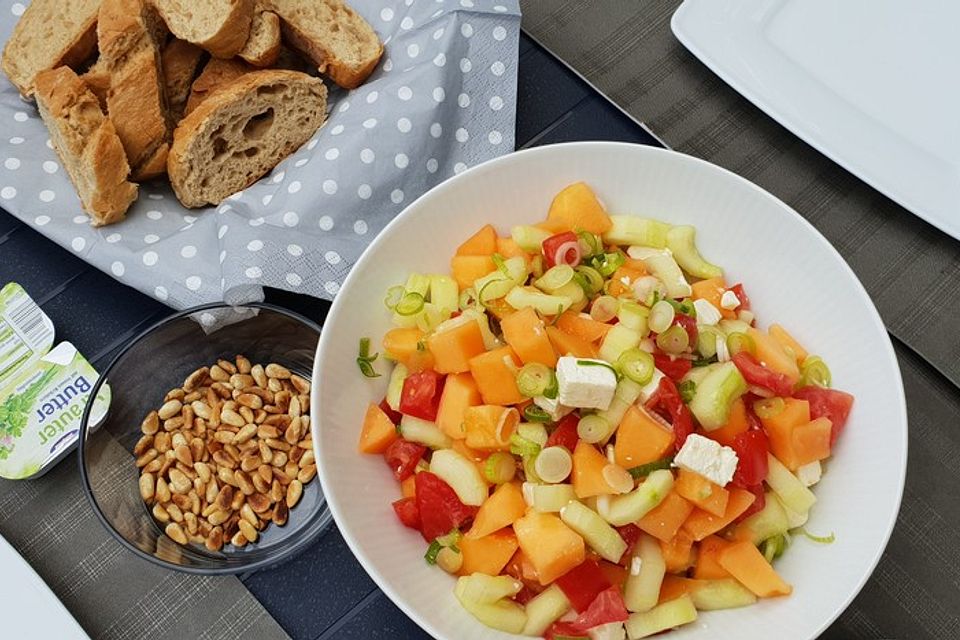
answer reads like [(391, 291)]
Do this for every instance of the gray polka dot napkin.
[(442, 99)]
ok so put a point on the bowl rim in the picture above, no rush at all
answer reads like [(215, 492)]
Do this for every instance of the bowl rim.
[(298, 545), (886, 348)]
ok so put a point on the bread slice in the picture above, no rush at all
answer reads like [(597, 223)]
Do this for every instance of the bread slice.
[(179, 61), (263, 45), (242, 132), (338, 40), (219, 26), (136, 100), (50, 33), (87, 144), (97, 79), (216, 74)]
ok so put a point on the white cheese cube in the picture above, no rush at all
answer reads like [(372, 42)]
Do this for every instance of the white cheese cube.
[(708, 458), (651, 387), (729, 300), (608, 631), (589, 385), (723, 354), (706, 313), (809, 474), (552, 406)]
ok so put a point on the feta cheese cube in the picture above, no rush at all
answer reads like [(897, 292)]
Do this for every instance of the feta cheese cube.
[(651, 387), (552, 406), (706, 312), (809, 474), (708, 458), (590, 385), (723, 354), (729, 301)]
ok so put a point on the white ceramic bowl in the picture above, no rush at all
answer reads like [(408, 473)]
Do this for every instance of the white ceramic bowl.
[(793, 276)]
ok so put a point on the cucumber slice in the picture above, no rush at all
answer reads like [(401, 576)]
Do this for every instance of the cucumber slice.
[(534, 432), (503, 615), (626, 394), (642, 588), (544, 609), (666, 269), (711, 595), (530, 239), (601, 537), (697, 374), (424, 432), (479, 588), (551, 498), (461, 474), (618, 339), (636, 230), (549, 305), (682, 242), (715, 395), (395, 386), (668, 615), (444, 293), (788, 487), (628, 508), (768, 522)]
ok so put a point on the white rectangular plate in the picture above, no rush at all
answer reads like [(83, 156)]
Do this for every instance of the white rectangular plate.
[(872, 84)]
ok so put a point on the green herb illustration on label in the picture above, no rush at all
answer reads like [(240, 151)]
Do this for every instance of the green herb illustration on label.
[(15, 412)]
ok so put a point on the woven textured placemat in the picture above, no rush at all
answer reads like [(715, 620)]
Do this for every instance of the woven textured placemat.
[(113, 594)]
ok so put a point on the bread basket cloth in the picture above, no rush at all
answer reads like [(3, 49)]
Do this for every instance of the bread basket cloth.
[(442, 99)]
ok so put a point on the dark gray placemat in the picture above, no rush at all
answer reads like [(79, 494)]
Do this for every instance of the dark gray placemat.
[(113, 594), (626, 49)]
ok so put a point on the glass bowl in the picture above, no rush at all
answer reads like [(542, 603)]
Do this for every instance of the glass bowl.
[(156, 361)]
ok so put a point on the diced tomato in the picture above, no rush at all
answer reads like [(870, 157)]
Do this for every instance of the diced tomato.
[(402, 457), (630, 534), (667, 401), (752, 448), (757, 374), (757, 505), (689, 325), (406, 509), (420, 397), (525, 595), (583, 584), (565, 435), (673, 368), (828, 403), (565, 630), (607, 607), (440, 509), (563, 248), (741, 296), (394, 416)]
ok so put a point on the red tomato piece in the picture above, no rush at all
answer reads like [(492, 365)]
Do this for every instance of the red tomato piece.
[(607, 607), (565, 435), (828, 403), (752, 449), (689, 325), (630, 534), (757, 374), (583, 584), (394, 416), (666, 401), (757, 505), (741, 296), (402, 457), (565, 630), (563, 248), (673, 368), (440, 509), (420, 397), (408, 513)]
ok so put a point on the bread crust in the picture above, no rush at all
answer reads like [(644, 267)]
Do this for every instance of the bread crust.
[(263, 46), (216, 74), (227, 41), (179, 60)]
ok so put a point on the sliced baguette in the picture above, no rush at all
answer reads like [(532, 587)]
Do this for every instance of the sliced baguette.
[(97, 79), (219, 26), (242, 132), (136, 100), (87, 144), (216, 74), (180, 61), (50, 33), (263, 45), (332, 35)]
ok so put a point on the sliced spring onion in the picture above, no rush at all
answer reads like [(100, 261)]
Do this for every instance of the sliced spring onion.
[(534, 379), (644, 470), (520, 446), (555, 278), (737, 342), (814, 371), (450, 539), (534, 432), (608, 263), (618, 478), (494, 288), (500, 264), (707, 341), (450, 560), (685, 307), (567, 253), (394, 294), (365, 360), (590, 245), (636, 365), (553, 389), (661, 316), (593, 428), (553, 464), (687, 389), (674, 340), (411, 303), (592, 278), (768, 407), (432, 551), (468, 299), (633, 316), (604, 308), (533, 413), (500, 467), (830, 539)]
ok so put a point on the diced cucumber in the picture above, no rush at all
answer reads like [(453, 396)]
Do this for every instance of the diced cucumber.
[(697, 374), (729, 326), (668, 615), (794, 519), (530, 239), (461, 474), (546, 304), (534, 432), (630, 507), (618, 339), (424, 432), (666, 269), (601, 537), (503, 615), (444, 293), (516, 268), (626, 394), (788, 487), (809, 474), (766, 523), (715, 395), (480, 588), (544, 609), (636, 230), (634, 316), (416, 283), (682, 242), (551, 498), (711, 595), (395, 386), (576, 294), (642, 588)]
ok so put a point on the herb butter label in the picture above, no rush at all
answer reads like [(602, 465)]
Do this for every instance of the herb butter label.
[(26, 333)]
